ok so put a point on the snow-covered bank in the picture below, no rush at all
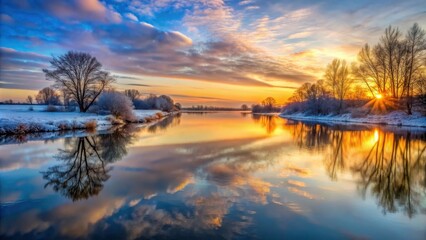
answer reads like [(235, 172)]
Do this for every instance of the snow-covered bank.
[(19, 119), (397, 118)]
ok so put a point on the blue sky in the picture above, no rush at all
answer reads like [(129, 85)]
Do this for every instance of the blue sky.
[(202, 51)]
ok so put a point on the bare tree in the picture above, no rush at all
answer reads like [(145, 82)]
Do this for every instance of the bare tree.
[(357, 93), (415, 43), (331, 75), (301, 94), (269, 102), (244, 107), (80, 75), (30, 100), (338, 79), (371, 70), (133, 94), (48, 96)]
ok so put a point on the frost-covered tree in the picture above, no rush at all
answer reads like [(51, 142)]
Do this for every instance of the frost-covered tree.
[(118, 104), (164, 103)]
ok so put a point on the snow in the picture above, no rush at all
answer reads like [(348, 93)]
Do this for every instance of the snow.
[(19, 119), (398, 118)]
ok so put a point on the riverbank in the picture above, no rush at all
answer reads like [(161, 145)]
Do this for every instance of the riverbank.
[(397, 118), (20, 119)]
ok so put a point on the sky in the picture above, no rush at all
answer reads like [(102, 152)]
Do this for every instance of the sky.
[(210, 52)]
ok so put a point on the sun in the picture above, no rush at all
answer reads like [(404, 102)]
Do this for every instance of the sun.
[(379, 96)]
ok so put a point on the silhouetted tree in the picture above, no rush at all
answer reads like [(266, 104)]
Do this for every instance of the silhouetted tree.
[(48, 96), (80, 75), (133, 94), (415, 44), (393, 67), (30, 100), (338, 79)]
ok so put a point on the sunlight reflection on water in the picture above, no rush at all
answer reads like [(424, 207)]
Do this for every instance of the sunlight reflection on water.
[(218, 175)]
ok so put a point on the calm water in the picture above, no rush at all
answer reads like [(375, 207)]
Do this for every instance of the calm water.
[(217, 175)]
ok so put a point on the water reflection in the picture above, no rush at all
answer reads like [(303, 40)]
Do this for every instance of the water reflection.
[(389, 165), (232, 180), (83, 167), (266, 121), (395, 170), (165, 123)]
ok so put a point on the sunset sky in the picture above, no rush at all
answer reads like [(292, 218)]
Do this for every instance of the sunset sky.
[(212, 52)]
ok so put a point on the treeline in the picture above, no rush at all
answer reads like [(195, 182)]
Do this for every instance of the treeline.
[(268, 105), (391, 73), (54, 97)]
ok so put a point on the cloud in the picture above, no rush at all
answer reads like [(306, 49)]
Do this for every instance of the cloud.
[(252, 7), (212, 41), (151, 7), (71, 11), (132, 37), (131, 16), (245, 2), (4, 18), (18, 69)]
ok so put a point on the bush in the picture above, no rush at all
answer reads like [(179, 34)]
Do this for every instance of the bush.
[(51, 108), (91, 125), (163, 103), (118, 104), (31, 109)]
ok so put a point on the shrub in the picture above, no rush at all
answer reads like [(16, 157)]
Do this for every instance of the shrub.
[(31, 109), (51, 108), (159, 115), (91, 125), (118, 104), (21, 128), (164, 103)]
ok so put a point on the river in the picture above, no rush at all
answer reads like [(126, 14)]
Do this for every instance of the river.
[(223, 175)]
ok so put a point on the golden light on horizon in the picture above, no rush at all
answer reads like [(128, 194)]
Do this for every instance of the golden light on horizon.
[(379, 96)]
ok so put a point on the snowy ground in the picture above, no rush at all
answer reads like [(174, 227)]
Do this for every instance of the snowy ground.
[(398, 118), (19, 119)]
